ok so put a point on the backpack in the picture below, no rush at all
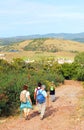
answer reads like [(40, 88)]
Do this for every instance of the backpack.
[(23, 97), (40, 98)]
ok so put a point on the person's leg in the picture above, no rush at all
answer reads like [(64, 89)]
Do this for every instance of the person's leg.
[(52, 97), (25, 112), (28, 112), (39, 108), (43, 108)]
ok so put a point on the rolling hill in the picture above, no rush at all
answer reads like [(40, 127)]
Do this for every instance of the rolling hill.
[(42, 47), (48, 45)]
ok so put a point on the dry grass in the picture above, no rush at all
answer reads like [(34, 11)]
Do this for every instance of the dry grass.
[(64, 45), (21, 45)]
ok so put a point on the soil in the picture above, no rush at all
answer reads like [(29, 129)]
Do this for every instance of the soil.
[(66, 113)]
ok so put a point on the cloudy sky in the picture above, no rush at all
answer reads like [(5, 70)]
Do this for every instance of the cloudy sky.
[(28, 17)]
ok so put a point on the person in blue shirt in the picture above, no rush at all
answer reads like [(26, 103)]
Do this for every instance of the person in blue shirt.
[(42, 106)]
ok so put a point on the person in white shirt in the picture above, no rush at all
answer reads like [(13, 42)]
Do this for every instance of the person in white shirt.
[(26, 106)]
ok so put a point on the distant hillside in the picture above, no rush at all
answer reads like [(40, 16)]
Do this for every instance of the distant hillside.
[(46, 45), (10, 41), (67, 36), (54, 45), (41, 48)]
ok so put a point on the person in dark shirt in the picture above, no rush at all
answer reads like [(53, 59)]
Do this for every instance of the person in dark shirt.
[(52, 92)]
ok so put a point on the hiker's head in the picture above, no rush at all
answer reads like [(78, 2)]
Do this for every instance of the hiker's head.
[(25, 87), (39, 84), (43, 87)]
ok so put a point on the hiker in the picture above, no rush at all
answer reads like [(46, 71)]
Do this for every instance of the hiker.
[(41, 101), (26, 103), (52, 92), (36, 89)]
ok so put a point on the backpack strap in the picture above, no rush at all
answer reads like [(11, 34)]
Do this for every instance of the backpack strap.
[(37, 90)]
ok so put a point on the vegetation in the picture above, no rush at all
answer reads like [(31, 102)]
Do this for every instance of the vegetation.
[(13, 76), (36, 44), (79, 59)]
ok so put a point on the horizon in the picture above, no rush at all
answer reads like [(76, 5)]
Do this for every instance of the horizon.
[(36, 17), (38, 34)]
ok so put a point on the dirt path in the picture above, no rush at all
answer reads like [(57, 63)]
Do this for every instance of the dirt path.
[(63, 114)]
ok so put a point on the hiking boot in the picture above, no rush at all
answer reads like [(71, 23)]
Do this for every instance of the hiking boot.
[(39, 112), (41, 118), (27, 118)]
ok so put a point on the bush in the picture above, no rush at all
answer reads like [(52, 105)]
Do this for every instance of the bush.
[(66, 71), (80, 74)]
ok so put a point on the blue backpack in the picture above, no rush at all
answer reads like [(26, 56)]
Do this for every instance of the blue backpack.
[(40, 98)]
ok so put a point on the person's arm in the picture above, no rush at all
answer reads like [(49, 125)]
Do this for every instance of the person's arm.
[(28, 97), (34, 95)]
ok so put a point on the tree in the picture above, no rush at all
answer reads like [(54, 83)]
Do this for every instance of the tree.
[(79, 58)]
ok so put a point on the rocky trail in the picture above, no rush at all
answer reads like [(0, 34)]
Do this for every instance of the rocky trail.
[(66, 113)]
